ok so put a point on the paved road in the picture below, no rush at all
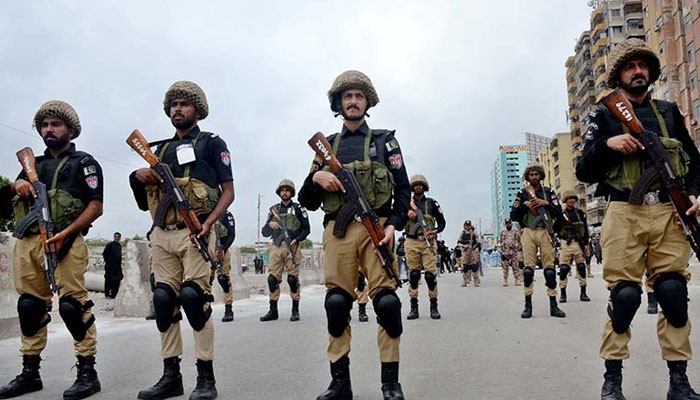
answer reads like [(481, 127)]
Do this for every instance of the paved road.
[(481, 349)]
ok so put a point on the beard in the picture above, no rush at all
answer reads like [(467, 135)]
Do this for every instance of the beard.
[(184, 123), (353, 118), (54, 143), (637, 89)]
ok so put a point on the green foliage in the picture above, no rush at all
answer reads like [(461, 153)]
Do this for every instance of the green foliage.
[(97, 241), (6, 225), (248, 250), (306, 244)]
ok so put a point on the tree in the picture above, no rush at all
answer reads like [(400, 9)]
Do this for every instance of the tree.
[(6, 225), (306, 244)]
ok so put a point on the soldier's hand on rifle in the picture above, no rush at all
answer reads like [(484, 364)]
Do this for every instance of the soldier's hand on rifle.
[(148, 176), (388, 235), (431, 233), (220, 255), (691, 211), (24, 189), (412, 215), (58, 240), (625, 144), (532, 206), (293, 242), (274, 225), (328, 181), (206, 228), (540, 202)]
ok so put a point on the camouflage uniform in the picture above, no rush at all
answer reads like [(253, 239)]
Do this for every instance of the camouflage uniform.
[(510, 249), (469, 243)]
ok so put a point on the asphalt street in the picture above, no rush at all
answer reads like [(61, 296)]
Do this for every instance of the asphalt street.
[(480, 349)]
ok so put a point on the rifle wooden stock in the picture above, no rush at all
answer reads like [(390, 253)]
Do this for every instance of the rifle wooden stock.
[(323, 148), (140, 145), (28, 162), (618, 104)]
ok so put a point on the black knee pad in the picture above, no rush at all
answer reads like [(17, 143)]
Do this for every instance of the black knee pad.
[(414, 278), (338, 304), (671, 291), (224, 282), (475, 268), (293, 282), (564, 272), (550, 278), (521, 265), (625, 297), (33, 314), (71, 312), (431, 280), (164, 302), (581, 268), (361, 282), (272, 283), (387, 306), (193, 299), (528, 276)]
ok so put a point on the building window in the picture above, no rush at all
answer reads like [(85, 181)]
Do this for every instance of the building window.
[(659, 22), (696, 108), (647, 36), (694, 80), (661, 47), (556, 170), (617, 29), (646, 12), (688, 19), (615, 13), (691, 52), (557, 183)]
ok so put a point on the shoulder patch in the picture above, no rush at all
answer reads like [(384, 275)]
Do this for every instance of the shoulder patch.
[(225, 158), (393, 144), (85, 159), (89, 170), (395, 161)]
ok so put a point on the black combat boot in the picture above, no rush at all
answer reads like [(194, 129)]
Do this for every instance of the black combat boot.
[(362, 312), (295, 311), (206, 384), (679, 387), (584, 297), (27, 381), (612, 387), (413, 314), (562, 297), (652, 305), (340, 387), (169, 385), (527, 312), (391, 388), (555, 311), (272, 313), (228, 313), (86, 384), (434, 313)]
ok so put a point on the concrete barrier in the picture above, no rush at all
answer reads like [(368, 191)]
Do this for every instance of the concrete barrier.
[(9, 324)]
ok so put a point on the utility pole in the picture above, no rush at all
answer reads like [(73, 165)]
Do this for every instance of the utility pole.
[(258, 241)]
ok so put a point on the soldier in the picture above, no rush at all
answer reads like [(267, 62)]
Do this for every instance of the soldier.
[(573, 232), (362, 293), (471, 248), (459, 261), (419, 244), (296, 222), (74, 183), (525, 211), (201, 165), (510, 247), (641, 238), (372, 154), (225, 235)]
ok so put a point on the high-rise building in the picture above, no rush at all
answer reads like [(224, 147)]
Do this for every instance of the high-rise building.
[(506, 181), (534, 144), (557, 160)]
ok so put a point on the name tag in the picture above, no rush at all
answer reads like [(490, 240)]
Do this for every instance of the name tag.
[(185, 153)]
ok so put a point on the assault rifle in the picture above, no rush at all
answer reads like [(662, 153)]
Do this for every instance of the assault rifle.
[(285, 234), (662, 169), (420, 219), (40, 214), (356, 206), (577, 235), (173, 196), (542, 216)]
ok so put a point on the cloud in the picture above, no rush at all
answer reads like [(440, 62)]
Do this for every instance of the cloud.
[(456, 80)]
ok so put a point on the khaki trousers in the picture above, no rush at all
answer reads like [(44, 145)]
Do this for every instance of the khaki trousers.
[(29, 278), (174, 261), (280, 260), (343, 256), (638, 239), (226, 270), (533, 239), (572, 255), (419, 257)]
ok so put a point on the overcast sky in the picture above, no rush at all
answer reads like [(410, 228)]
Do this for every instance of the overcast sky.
[(456, 79)]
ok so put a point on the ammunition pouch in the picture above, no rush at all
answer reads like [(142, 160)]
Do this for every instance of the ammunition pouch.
[(202, 198), (63, 207)]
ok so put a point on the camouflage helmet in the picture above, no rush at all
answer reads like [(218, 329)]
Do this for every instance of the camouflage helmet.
[(467, 222), (352, 80), (625, 51), (189, 91), (508, 221), (59, 109), (569, 194), (534, 167), (286, 183), (419, 179)]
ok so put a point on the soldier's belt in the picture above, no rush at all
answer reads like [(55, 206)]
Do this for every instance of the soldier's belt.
[(175, 227), (650, 198)]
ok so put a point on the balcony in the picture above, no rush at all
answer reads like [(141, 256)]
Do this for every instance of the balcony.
[(602, 94), (569, 63), (598, 15), (600, 80), (633, 15), (570, 71), (599, 63), (634, 32), (599, 45), (601, 27), (571, 86)]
